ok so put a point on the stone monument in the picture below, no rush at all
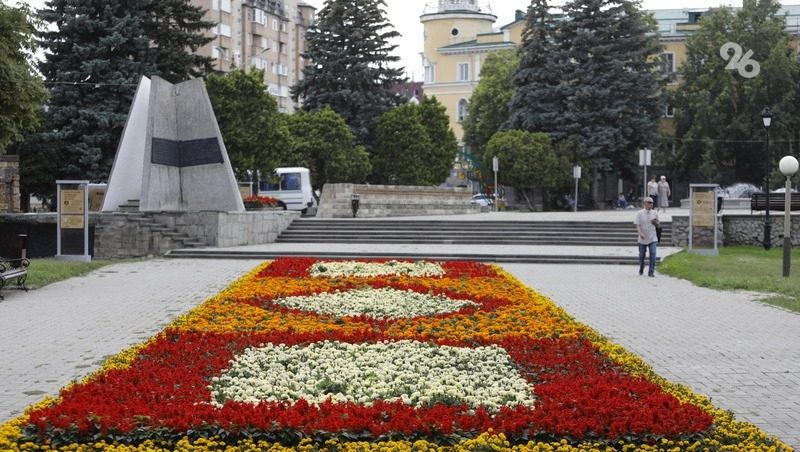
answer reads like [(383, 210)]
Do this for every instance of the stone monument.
[(171, 156)]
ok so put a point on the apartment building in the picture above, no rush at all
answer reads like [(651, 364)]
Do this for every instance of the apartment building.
[(261, 34)]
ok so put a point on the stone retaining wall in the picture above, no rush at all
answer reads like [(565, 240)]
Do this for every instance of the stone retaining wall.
[(740, 230), (136, 234), (394, 200), (120, 235)]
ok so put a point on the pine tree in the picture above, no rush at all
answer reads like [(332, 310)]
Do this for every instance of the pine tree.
[(349, 46), (538, 101), (593, 76), (609, 53), (97, 52)]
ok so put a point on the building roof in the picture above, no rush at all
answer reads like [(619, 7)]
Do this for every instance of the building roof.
[(679, 23), (474, 43)]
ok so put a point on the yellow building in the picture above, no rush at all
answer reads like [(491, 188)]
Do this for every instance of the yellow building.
[(458, 36), (262, 34)]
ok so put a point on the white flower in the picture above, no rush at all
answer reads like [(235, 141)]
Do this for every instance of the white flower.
[(385, 303), (368, 269), (416, 373)]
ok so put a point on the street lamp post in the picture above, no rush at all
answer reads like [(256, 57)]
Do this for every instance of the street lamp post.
[(766, 117), (788, 166), (576, 173)]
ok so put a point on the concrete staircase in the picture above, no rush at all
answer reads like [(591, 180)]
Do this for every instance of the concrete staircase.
[(558, 233), (129, 232), (551, 242)]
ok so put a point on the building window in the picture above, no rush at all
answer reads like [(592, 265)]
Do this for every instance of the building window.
[(275, 24), (430, 74), (462, 110), (221, 5), (669, 111), (667, 63), (454, 32), (258, 63), (219, 52), (223, 30), (463, 72), (257, 15)]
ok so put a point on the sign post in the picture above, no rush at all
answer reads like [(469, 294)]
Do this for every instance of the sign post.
[(644, 161), (72, 227), (495, 168), (576, 173), (703, 219)]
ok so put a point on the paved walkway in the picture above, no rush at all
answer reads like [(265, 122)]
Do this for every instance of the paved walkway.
[(743, 354), (64, 331)]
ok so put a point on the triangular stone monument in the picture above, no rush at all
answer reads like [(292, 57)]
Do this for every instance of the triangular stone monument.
[(171, 156)]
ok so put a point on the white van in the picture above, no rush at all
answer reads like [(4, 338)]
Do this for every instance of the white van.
[(292, 188)]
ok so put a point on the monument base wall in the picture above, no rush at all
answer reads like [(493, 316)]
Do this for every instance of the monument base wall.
[(138, 234), (116, 235)]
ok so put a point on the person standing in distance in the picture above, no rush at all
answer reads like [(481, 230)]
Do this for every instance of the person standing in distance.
[(652, 188), (663, 194), (646, 221)]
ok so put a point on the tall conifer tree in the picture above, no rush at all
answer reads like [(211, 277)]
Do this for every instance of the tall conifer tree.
[(538, 101), (613, 86), (591, 75), (97, 52), (351, 72)]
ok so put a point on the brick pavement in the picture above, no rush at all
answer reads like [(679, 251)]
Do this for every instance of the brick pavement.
[(64, 331), (743, 354)]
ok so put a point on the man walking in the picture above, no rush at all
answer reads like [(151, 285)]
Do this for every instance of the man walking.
[(646, 221)]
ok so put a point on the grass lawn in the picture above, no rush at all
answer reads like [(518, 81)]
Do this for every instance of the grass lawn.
[(741, 268), (44, 271)]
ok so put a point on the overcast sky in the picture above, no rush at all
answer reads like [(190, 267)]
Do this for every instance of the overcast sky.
[(404, 15)]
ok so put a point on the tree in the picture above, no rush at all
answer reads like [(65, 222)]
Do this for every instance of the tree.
[(608, 90), (350, 73), (718, 111), (21, 90), (527, 161), (173, 26), (488, 106), (323, 143), (539, 99), (443, 142), (253, 130), (97, 52), (400, 156), (415, 145)]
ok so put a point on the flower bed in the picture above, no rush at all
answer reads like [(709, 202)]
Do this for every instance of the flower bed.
[(312, 355), (259, 202)]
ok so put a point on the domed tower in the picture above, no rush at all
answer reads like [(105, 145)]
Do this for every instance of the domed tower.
[(456, 34)]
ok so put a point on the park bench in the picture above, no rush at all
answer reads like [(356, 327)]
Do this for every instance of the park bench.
[(15, 268), (758, 202)]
